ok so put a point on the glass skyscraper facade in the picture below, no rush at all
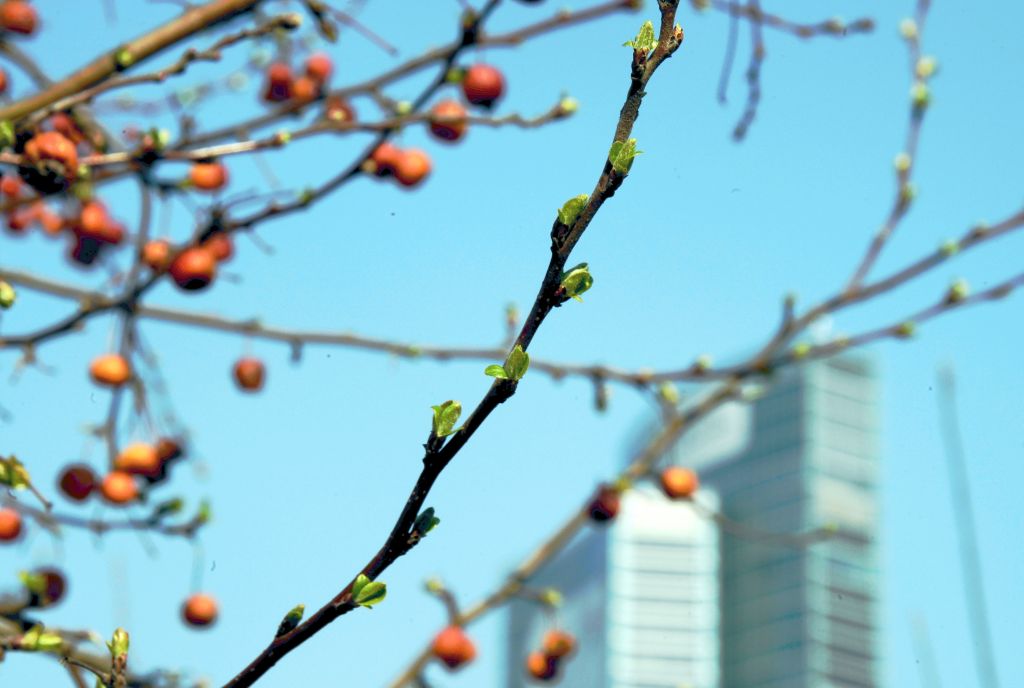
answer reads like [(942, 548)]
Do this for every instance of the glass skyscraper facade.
[(660, 598)]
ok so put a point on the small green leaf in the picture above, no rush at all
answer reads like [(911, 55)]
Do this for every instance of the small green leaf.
[(495, 370), (370, 593), (669, 393), (906, 329), (958, 291), (36, 639), (119, 643), (7, 295), (49, 642), (361, 580), (13, 473), (124, 58), (621, 155), (645, 41), (551, 597), (517, 364), (445, 417), (568, 213), (7, 137), (291, 620), (426, 521), (168, 508), (577, 280), (205, 512)]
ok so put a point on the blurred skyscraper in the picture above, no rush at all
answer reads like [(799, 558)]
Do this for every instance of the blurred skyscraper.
[(662, 599)]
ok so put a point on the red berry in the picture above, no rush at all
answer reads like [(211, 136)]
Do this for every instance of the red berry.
[(194, 268), (412, 168), (168, 449), (3, 81), (199, 610), (49, 586), (18, 16), (448, 120), (605, 504), (11, 186), (249, 374), (279, 83), (10, 525), (483, 85), (77, 482), (339, 110), (453, 647)]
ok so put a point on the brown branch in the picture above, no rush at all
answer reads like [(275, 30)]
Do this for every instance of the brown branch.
[(905, 160), (190, 56), (440, 453), (560, 20), (192, 21), (154, 524)]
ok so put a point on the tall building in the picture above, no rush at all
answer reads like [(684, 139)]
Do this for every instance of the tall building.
[(641, 597), (802, 456)]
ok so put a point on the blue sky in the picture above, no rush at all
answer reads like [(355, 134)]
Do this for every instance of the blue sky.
[(693, 255)]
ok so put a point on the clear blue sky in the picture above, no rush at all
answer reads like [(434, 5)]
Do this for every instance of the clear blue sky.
[(693, 255)]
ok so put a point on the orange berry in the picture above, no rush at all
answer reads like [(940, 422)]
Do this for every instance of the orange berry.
[(11, 186), (51, 222), (10, 525), (385, 159), (541, 667), (678, 482), (483, 85), (305, 90), (138, 458), (156, 255), (194, 268), (220, 246), (558, 644), (209, 176), (111, 370), (93, 219), (77, 482), (3, 81), (412, 168), (119, 487), (18, 16), (448, 121), (55, 147), (453, 647), (249, 374), (199, 610), (319, 67)]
